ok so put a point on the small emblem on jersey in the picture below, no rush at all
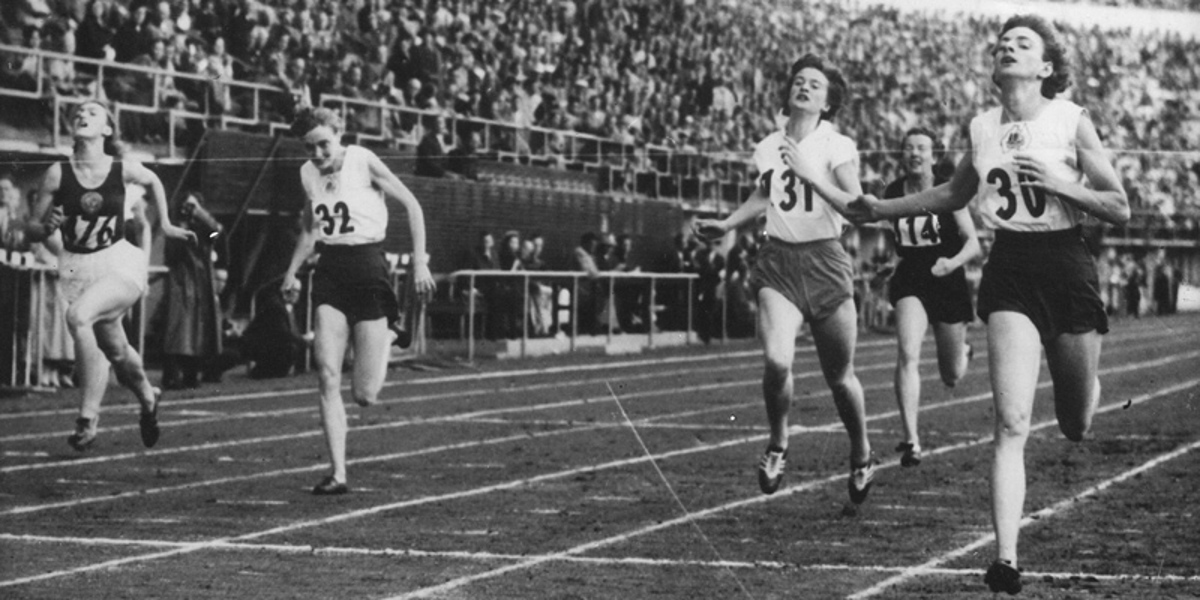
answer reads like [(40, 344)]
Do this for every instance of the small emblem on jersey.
[(91, 202), (1016, 138)]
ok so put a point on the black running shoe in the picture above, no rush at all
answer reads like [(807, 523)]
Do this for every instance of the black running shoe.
[(861, 478), (148, 423), (911, 456), (1002, 577), (770, 470), (85, 434), (404, 337), (330, 487)]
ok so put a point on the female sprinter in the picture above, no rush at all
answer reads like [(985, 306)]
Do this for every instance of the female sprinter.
[(809, 174), (929, 286), (352, 292), (1028, 161), (101, 273)]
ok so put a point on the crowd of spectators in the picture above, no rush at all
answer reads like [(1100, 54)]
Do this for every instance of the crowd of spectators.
[(694, 75)]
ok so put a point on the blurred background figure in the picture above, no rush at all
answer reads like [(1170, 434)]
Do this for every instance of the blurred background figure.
[(193, 334)]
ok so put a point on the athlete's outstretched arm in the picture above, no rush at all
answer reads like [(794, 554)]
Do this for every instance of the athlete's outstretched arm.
[(754, 207), (136, 172), (395, 189), (44, 218), (948, 197)]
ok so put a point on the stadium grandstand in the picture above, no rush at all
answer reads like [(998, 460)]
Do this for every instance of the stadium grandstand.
[(590, 115)]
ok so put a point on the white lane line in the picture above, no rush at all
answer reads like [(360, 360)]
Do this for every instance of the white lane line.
[(309, 408), (536, 561), (584, 427), (440, 379), (522, 436), (74, 461), (886, 343), (1048, 511), (336, 551), (513, 484)]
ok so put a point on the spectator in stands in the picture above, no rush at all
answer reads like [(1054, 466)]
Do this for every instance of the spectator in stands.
[(294, 80), (629, 294), (508, 308), (464, 158), (1166, 286), (1134, 279), (218, 67), (14, 214), (588, 300), (209, 21), (95, 36), (431, 153), (271, 344), (193, 334), (20, 71), (136, 37), (427, 60)]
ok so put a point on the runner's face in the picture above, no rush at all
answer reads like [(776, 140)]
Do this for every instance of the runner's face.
[(91, 120), (1019, 53), (324, 146), (810, 91), (918, 153)]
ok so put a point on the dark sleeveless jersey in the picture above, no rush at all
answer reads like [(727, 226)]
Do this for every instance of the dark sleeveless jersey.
[(924, 236), (94, 219)]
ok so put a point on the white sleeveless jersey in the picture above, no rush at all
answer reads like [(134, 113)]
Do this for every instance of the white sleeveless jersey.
[(1003, 202), (347, 208), (797, 212)]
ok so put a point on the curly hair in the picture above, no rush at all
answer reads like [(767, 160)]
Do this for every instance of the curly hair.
[(308, 119), (1053, 52), (838, 92)]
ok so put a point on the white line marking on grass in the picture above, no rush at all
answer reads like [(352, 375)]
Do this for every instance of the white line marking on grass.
[(1051, 510), (579, 428), (305, 549), (807, 485), (252, 502), (312, 408), (400, 423), (527, 563), (495, 441), (472, 377)]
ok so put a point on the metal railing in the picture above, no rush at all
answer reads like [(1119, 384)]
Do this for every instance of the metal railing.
[(252, 99), (258, 104), (574, 277)]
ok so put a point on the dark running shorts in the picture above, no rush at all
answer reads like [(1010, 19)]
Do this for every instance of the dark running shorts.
[(817, 276), (1047, 276), (355, 280), (946, 299)]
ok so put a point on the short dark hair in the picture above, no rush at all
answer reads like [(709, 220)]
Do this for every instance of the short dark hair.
[(1053, 52), (940, 160), (838, 92)]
